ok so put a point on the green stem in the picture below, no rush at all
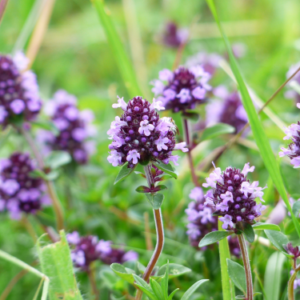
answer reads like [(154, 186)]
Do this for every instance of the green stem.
[(291, 284), (247, 266)]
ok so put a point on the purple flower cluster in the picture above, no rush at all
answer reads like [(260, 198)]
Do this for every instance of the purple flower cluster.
[(19, 92), (87, 249), (202, 221), (233, 197), (74, 127), (141, 136), (293, 151), (19, 192), (174, 37), (182, 89), (230, 111), (294, 84), (200, 217)]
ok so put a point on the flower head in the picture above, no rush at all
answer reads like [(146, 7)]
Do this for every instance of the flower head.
[(174, 37), (140, 135), (87, 249), (293, 151), (19, 192), (19, 92), (291, 250), (233, 197), (74, 126), (182, 89)]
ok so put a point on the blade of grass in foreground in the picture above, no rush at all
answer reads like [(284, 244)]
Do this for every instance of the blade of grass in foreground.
[(227, 285), (256, 126), (118, 50)]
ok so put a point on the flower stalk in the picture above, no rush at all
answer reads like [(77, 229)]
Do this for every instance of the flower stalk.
[(159, 236), (190, 158), (247, 266)]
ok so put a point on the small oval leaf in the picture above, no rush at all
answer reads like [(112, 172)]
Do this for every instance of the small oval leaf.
[(124, 273), (167, 168), (213, 237), (187, 295), (175, 270), (57, 159), (248, 232), (277, 238), (237, 275), (124, 172), (265, 226), (216, 130)]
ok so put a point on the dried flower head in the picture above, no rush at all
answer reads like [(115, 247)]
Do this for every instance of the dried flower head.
[(75, 128), (174, 37), (233, 197), (293, 151), (182, 89), (141, 136), (19, 192), (88, 249), (19, 92)]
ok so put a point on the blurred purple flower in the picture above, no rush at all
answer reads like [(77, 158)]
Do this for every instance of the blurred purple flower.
[(87, 249), (182, 89), (174, 37), (19, 91), (75, 128), (19, 192), (140, 135), (233, 197)]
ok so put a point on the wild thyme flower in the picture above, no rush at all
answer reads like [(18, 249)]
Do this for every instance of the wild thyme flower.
[(230, 111), (233, 197), (174, 37), (19, 192), (291, 250), (141, 136), (87, 249), (19, 92), (293, 151), (202, 221), (75, 128), (182, 89)]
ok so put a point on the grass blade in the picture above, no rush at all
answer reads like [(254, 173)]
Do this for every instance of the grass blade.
[(256, 126), (122, 59), (227, 285)]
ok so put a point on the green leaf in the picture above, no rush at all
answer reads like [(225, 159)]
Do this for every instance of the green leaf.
[(187, 295), (56, 263), (240, 297), (142, 189), (273, 276), (175, 270), (228, 289), (46, 125), (124, 273), (124, 172), (255, 123), (57, 159), (38, 174), (155, 200), (161, 187), (277, 238), (237, 275), (156, 288), (265, 226), (216, 130), (165, 281), (248, 232), (296, 208), (172, 294), (213, 237), (142, 284), (52, 175), (167, 168), (118, 49), (191, 115)]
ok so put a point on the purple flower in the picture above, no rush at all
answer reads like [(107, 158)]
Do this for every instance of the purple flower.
[(230, 111), (87, 249), (140, 135), (293, 150), (174, 37), (233, 197), (294, 251), (75, 128), (19, 92), (182, 89), (19, 192)]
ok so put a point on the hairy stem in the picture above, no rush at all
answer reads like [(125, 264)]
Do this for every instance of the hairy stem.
[(159, 236), (247, 266), (50, 188), (92, 280), (291, 284), (190, 158)]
